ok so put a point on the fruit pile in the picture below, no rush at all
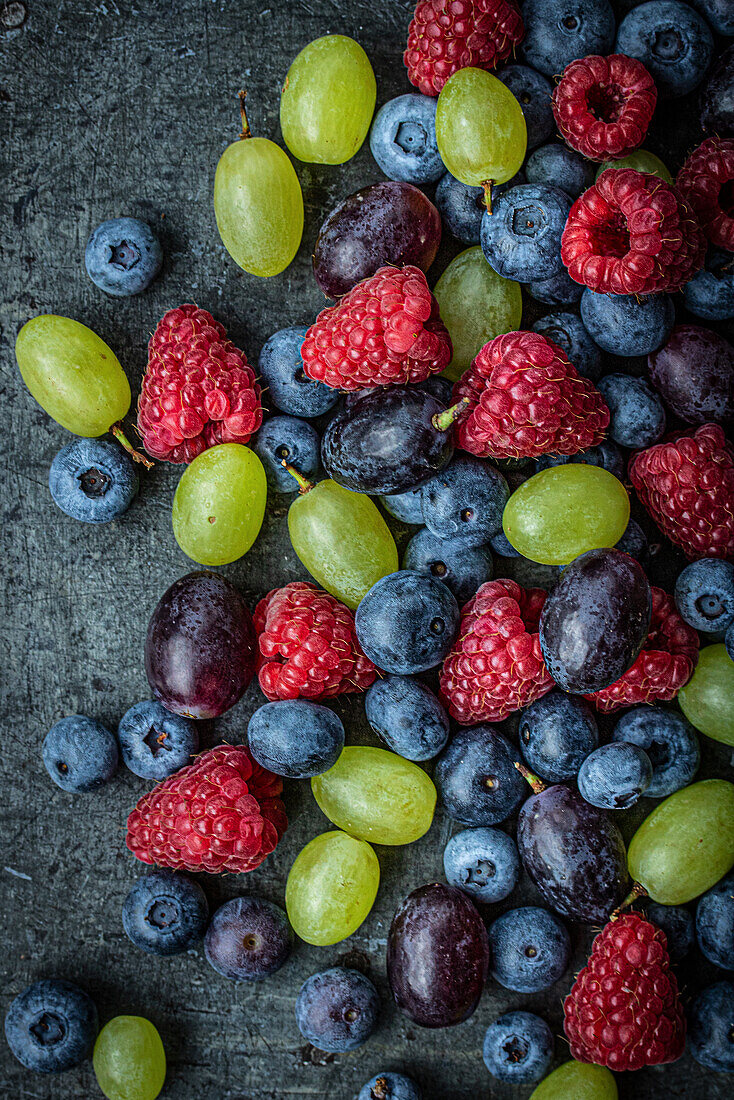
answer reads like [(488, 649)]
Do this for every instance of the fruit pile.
[(520, 665)]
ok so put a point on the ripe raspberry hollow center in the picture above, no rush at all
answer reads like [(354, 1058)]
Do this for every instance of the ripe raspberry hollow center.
[(726, 198), (606, 102), (94, 483), (612, 239)]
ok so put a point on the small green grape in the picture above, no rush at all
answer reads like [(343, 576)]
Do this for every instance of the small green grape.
[(707, 700), (642, 161), (577, 1081), (331, 888), (129, 1060)]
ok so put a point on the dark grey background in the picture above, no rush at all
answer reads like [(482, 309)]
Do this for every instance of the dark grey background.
[(112, 108)]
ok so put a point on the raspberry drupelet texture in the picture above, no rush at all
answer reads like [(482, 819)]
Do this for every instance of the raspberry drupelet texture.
[(706, 180), (308, 645), (198, 389), (687, 486), (664, 665), (624, 1010), (385, 330), (525, 400), (221, 813), (632, 233), (604, 105), (495, 666), (446, 35)]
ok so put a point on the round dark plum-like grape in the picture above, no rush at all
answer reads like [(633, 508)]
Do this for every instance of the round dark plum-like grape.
[(477, 779), (694, 374), (248, 939), (337, 1009)]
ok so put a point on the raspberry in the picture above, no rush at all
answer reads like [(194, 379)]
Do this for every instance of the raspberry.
[(221, 813), (386, 329), (604, 105), (446, 35), (687, 486), (495, 666), (632, 233), (525, 400), (706, 180), (624, 1011), (308, 645), (198, 389), (665, 664)]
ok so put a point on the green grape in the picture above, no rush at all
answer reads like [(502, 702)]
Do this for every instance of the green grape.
[(258, 203), (476, 305), (707, 700), (686, 844), (129, 1060), (642, 161), (376, 795), (564, 511), (577, 1081), (331, 888), (480, 128), (219, 504), (327, 101)]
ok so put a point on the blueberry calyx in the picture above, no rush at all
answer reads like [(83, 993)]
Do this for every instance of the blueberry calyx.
[(156, 739), (412, 138), (124, 255), (668, 44), (48, 1029), (94, 483), (163, 912)]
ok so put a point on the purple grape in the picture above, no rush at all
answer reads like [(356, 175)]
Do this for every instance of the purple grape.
[(248, 939), (694, 373)]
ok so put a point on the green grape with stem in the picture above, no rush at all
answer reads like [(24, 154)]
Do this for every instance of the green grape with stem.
[(331, 887), (129, 1060), (707, 700), (577, 1081)]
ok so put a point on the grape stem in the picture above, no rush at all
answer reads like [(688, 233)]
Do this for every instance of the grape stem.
[(637, 891), (121, 438), (304, 485), (534, 780), (246, 132), (442, 421), (487, 185)]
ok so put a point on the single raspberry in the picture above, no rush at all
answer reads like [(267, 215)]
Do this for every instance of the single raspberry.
[(221, 813), (687, 486), (525, 400), (496, 666), (624, 1011), (198, 389), (386, 329), (665, 663), (706, 180), (446, 35), (308, 645), (632, 233), (604, 105)]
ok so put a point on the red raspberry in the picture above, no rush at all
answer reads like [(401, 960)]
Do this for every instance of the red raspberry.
[(687, 486), (526, 400), (308, 645), (632, 233), (706, 180), (604, 105), (446, 35), (624, 1011), (221, 813), (665, 664), (496, 666), (198, 389), (386, 329)]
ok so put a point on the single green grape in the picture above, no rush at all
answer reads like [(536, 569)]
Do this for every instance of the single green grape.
[(577, 1081), (686, 844), (476, 305), (707, 700), (376, 795), (480, 128), (564, 511), (331, 888), (328, 100), (642, 161), (258, 204), (129, 1060), (219, 504)]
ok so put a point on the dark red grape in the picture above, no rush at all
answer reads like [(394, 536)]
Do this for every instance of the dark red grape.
[(694, 374)]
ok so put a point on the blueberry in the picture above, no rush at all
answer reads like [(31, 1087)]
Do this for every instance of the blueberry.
[(123, 256), (295, 738), (711, 1027), (165, 913), (729, 641), (719, 14), (462, 568), (529, 949), (567, 330), (557, 733), (466, 500), (677, 924), (671, 40), (559, 31), (669, 740), (560, 166), (461, 208), (407, 506), (403, 139), (558, 290), (407, 622), (533, 92), (625, 325), (518, 1047), (502, 546), (286, 438), (80, 754), (715, 923), (248, 939), (390, 1086), (477, 779), (93, 480), (407, 716), (483, 863), (287, 386), (637, 414), (710, 293), (717, 97), (704, 594), (337, 1009), (521, 238), (634, 542), (154, 742), (605, 455), (51, 1026), (614, 776)]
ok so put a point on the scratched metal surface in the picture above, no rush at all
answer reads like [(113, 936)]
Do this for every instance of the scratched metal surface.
[(113, 108)]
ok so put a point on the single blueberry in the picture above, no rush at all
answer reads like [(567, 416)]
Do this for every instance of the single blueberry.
[(295, 737), (625, 325), (719, 14), (80, 754), (637, 416), (614, 776), (715, 923), (521, 238), (729, 641), (704, 594), (711, 1026), (337, 1009), (461, 208), (51, 1026), (123, 256), (605, 455), (557, 733), (248, 939), (390, 1086), (407, 622), (567, 330), (635, 543), (93, 480), (717, 96), (287, 439), (669, 740), (559, 31), (560, 166), (671, 40), (710, 293), (165, 913), (286, 384), (533, 92), (403, 139), (466, 500), (407, 506), (502, 546), (462, 568), (558, 290), (154, 742), (677, 924), (407, 716), (476, 777), (529, 949), (518, 1048), (484, 863)]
